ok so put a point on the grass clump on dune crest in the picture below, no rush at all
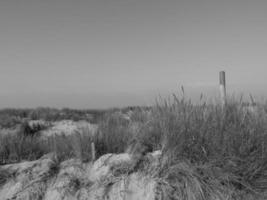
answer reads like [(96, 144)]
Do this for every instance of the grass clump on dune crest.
[(230, 143)]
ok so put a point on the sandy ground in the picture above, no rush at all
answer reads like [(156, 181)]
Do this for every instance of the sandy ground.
[(68, 127), (45, 179)]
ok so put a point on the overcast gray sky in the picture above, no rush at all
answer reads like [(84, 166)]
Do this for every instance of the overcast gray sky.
[(103, 53)]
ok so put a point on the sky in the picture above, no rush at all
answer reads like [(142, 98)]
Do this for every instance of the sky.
[(114, 53)]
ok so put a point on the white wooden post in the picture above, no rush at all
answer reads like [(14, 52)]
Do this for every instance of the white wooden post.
[(93, 151), (222, 88)]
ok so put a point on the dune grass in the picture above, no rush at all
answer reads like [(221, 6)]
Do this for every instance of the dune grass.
[(211, 150), (208, 152)]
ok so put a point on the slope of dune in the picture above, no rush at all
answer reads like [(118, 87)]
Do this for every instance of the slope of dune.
[(109, 177)]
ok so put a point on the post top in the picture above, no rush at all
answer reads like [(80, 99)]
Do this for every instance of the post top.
[(222, 77)]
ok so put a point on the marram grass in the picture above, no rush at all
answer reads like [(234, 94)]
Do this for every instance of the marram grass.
[(208, 152)]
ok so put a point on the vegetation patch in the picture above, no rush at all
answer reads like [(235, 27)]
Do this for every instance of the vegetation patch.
[(208, 152)]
